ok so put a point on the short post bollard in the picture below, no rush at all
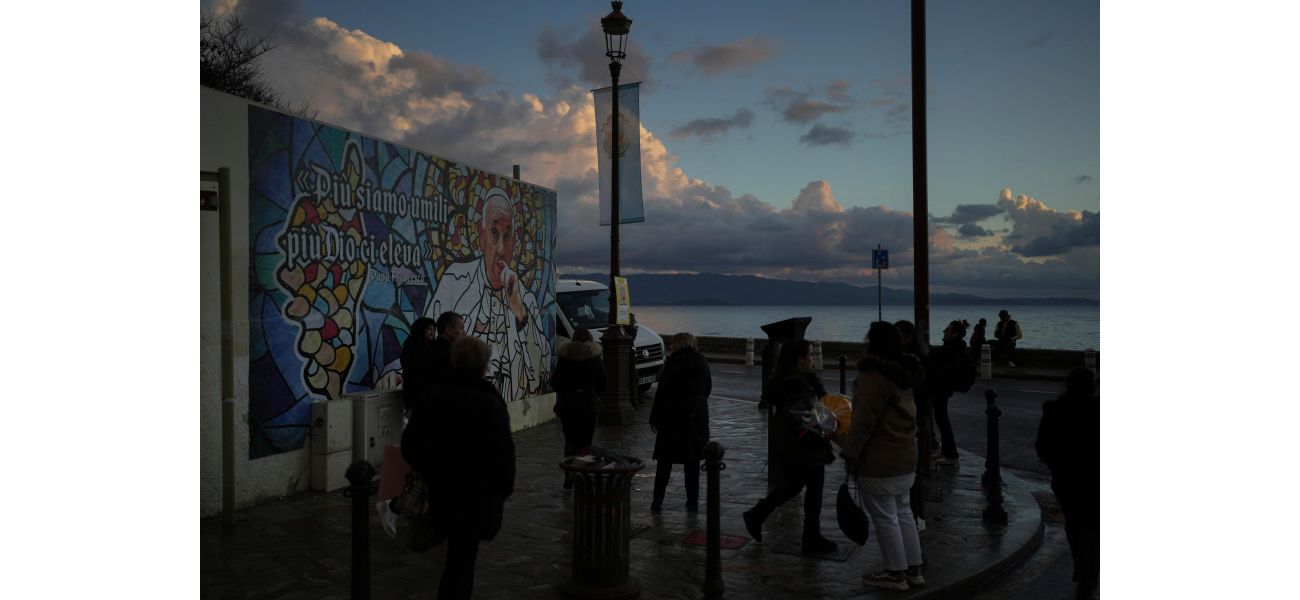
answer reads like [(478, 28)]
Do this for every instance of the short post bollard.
[(992, 479), (602, 524), (749, 352), (844, 361), (713, 465), (817, 355), (986, 362), (359, 475)]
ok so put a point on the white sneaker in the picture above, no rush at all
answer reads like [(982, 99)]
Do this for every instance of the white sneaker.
[(387, 518)]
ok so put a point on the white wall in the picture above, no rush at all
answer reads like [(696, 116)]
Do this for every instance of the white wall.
[(224, 143)]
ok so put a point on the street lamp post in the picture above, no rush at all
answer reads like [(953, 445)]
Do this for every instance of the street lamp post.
[(616, 408)]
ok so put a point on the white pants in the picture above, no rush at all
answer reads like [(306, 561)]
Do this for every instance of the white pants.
[(895, 530)]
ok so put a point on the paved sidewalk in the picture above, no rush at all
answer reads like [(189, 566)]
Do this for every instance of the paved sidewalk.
[(299, 547)]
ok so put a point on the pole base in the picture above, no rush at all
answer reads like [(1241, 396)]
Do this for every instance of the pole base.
[(630, 589)]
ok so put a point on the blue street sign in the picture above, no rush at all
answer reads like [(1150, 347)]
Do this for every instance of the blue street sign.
[(880, 259)]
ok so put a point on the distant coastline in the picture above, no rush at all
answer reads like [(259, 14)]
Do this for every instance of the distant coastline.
[(707, 289)]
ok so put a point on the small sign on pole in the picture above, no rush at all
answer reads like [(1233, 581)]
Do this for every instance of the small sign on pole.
[(623, 300), (879, 258)]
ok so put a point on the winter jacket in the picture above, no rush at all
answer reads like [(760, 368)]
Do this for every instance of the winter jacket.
[(578, 378), (1069, 440), (947, 364), (882, 434), (792, 444), (680, 413), (417, 363), (462, 446)]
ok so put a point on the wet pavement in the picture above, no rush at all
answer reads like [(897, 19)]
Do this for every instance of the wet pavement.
[(300, 547)]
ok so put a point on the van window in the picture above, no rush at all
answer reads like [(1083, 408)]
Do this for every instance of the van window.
[(586, 308)]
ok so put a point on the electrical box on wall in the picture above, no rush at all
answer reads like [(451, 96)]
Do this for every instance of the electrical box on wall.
[(331, 426), (331, 444), (376, 423)]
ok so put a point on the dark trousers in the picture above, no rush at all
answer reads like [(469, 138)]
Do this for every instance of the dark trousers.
[(578, 429), (458, 571), (948, 442), (796, 479), (664, 472), (924, 430), (1003, 350), (1082, 509)]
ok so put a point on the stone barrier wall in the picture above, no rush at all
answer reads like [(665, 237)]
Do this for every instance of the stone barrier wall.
[(729, 349)]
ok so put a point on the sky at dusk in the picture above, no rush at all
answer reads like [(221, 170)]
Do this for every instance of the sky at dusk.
[(776, 138)]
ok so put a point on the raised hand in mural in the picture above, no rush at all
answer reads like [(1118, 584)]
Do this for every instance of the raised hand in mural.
[(512, 290)]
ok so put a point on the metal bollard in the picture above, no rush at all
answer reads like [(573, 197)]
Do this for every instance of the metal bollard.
[(749, 352), (844, 360), (817, 355), (360, 474), (992, 479), (713, 465), (986, 362)]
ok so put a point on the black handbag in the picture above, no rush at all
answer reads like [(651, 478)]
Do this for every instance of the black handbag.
[(848, 511), (853, 522)]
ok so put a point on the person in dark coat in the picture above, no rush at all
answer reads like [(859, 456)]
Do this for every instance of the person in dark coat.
[(680, 418), (1069, 442), (450, 327), (803, 453), (947, 362), (1006, 332), (417, 360), (578, 381), (462, 447)]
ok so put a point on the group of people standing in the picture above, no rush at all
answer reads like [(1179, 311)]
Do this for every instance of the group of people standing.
[(1005, 334)]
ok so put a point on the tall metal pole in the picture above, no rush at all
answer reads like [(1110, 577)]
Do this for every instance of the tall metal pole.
[(920, 191), (880, 291), (614, 68)]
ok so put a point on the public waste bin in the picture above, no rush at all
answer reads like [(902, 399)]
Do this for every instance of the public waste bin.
[(602, 494), (778, 333)]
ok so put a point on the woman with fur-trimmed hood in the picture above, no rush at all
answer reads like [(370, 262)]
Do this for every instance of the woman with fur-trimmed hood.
[(578, 381), (880, 451)]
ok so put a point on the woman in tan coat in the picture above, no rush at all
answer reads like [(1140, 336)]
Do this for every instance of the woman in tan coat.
[(880, 451)]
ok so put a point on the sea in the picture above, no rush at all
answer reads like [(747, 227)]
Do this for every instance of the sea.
[(1044, 327)]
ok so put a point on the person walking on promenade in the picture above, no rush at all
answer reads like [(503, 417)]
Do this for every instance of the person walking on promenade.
[(462, 446), (1069, 442), (680, 418), (804, 453), (880, 452), (916, 355), (977, 339), (1007, 332), (578, 381), (951, 371)]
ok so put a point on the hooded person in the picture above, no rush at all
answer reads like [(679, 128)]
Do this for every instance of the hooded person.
[(579, 382), (417, 361), (880, 451)]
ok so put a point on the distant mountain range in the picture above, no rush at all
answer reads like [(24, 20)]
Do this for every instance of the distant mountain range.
[(708, 289)]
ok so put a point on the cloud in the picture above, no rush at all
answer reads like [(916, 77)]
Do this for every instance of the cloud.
[(970, 230), (821, 135), (801, 108), (436, 105), (1041, 40), (708, 129), (970, 213), (716, 60), (1038, 230), (571, 57), (1083, 179)]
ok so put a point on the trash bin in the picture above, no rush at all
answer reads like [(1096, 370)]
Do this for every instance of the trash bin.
[(777, 334), (602, 512)]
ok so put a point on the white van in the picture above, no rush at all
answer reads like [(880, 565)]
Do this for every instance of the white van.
[(582, 303)]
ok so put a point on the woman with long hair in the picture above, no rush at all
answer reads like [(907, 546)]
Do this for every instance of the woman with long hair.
[(880, 450)]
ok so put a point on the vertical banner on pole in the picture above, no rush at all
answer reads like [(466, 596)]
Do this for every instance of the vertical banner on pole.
[(624, 301), (629, 151)]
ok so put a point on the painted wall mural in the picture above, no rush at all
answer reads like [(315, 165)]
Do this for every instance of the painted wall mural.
[(352, 239)]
